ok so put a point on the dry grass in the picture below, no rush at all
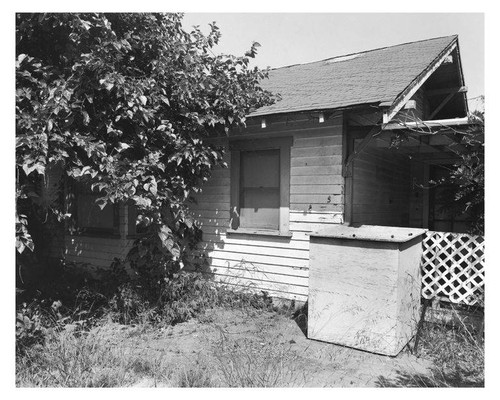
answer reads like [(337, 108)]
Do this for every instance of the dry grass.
[(256, 363), (86, 359), (108, 357), (457, 353), (259, 351)]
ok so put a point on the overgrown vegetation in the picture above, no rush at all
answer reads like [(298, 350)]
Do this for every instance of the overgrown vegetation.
[(123, 104), (61, 343), (245, 363), (457, 352), (58, 345)]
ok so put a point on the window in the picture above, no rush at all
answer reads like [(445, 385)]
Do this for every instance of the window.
[(260, 189), (260, 186), (89, 217)]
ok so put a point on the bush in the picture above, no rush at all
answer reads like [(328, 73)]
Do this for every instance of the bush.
[(189, 294), (68, 298), (29, 327)]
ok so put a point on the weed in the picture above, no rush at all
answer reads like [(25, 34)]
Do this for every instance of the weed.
[(195, 378), (248, 363), (86, 359), (57, 347), (457, 353)]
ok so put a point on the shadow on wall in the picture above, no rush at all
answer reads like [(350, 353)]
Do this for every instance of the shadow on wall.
[(238, 258)]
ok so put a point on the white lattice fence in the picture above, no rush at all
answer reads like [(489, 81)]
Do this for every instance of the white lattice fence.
[(453, 267)]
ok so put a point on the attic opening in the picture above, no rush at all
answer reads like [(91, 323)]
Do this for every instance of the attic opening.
[(445, 92), (439, 96)]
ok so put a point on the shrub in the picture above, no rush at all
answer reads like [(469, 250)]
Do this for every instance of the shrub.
[(29, 327)]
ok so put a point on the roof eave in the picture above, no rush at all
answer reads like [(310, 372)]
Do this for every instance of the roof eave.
[(412, 88), (257, 114)]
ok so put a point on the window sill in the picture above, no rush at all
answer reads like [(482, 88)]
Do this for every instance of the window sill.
[(259, 232), (95, 234)]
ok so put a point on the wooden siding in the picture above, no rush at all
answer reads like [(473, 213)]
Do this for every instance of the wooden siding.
[(419, 196), (381, 187), (99, 251), (276, 264)]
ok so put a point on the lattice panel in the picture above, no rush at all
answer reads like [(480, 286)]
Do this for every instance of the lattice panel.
[(453, 267)]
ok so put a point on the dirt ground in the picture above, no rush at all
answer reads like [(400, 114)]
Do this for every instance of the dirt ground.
[(248, 348)]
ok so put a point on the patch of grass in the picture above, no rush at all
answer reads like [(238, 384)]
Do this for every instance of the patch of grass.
[(251, 363), (195, 378), (57, 344), (457, 353), (86, 359)]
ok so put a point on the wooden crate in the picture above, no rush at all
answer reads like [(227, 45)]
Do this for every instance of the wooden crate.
[(364, 286)]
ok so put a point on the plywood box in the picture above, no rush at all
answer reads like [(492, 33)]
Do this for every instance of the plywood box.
[(364, 286)]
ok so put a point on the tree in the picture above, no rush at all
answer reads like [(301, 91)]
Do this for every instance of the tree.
[(124, 102)]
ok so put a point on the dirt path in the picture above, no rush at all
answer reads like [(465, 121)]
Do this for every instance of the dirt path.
[(240, 348)]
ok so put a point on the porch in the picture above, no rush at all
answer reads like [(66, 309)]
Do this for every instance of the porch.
[(397, 175)]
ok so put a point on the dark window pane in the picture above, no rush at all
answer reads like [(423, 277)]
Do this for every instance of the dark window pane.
[(259, 189), (90, 215), (260, 168), (260, 208)]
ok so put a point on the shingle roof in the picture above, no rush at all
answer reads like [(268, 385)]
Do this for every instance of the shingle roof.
[(373, 76)]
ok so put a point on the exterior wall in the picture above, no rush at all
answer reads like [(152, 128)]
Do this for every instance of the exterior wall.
[(381, 182), (98, 251), (278, 265)]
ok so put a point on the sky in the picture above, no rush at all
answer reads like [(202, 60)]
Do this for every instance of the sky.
[(294, 38)]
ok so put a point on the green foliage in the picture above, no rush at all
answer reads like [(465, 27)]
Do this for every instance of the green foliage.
[(468, 174), (178, 297), (29, 327), (124, 102), (464, 187), (67, 298)]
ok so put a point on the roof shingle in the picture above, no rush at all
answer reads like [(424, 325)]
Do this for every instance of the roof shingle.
[(368, 77)]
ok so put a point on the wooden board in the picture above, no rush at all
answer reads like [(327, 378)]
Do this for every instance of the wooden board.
[(355, 291)]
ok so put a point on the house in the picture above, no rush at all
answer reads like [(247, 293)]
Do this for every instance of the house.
[(321, 155)]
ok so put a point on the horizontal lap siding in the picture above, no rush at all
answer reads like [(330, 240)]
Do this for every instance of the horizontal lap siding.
[(277, 265), (96, 251)]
